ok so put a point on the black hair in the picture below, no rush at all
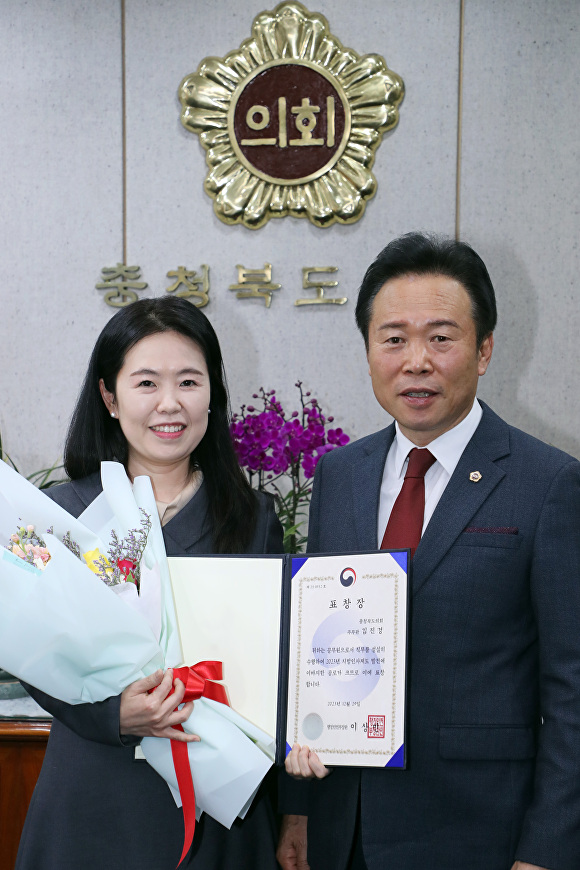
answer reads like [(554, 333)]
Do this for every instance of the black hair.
[(419, 254), (93, 436)]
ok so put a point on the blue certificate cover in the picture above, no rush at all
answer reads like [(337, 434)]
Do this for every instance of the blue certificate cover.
[(314, 647)]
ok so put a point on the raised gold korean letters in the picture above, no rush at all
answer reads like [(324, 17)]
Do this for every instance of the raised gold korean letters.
[(291, 121)]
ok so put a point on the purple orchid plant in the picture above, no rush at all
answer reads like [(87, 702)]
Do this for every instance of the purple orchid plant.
[(280, 453)]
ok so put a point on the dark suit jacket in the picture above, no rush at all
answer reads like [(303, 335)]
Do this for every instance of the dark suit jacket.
[(494, 652), (95, 807)]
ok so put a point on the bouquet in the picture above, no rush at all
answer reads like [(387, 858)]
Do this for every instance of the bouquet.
[(87, 608)]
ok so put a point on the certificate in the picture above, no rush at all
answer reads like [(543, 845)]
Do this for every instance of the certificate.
[(313, 647), (347, 658)]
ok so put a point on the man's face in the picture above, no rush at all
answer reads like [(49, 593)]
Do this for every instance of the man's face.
[(423, 356)]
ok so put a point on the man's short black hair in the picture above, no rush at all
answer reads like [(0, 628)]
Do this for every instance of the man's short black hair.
[(419, 254)]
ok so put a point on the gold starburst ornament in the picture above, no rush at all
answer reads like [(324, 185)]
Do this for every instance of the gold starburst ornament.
[(291, 121)]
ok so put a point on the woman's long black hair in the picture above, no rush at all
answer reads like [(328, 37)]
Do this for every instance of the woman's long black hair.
[(93, 436)]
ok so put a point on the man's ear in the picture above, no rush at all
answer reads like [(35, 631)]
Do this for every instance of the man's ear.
[(108, 398), (484, 354)]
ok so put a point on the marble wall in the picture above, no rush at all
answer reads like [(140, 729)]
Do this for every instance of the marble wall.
[(61, 218)]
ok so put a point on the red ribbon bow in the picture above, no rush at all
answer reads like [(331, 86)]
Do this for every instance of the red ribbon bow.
[(198, 682)]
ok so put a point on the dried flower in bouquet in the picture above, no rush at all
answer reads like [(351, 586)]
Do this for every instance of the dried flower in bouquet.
[(122, 566), (280, 452), (27, 544), (124, 562)]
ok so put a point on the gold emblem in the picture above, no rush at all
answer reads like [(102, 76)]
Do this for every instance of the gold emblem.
[(291, 121), (475, 476)]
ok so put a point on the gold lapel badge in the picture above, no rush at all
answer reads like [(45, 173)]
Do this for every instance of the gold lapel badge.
[(475, 476)]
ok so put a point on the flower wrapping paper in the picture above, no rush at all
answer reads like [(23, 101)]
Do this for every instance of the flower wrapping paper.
[(66, 632)]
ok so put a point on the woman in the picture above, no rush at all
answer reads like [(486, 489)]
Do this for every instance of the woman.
[(155, 399)]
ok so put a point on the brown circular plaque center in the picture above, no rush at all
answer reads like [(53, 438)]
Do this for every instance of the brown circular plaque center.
[(290, 123)]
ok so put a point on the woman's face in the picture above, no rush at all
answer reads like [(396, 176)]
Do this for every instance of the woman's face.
[(161, 401)]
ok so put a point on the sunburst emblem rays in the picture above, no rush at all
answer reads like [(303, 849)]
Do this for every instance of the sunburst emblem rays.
[(290, 121)]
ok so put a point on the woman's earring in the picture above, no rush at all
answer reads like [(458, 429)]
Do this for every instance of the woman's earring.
[(209, 410), (113, 414)]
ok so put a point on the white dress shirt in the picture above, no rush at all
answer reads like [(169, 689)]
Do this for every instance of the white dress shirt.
[(446, 449)]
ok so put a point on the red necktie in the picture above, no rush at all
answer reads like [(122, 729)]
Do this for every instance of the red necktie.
[(406, 520)]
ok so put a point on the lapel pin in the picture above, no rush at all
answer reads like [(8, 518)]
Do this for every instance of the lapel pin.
[(475, 476)]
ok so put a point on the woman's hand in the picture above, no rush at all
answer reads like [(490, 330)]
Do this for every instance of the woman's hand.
[(148, 710), (301, 763)]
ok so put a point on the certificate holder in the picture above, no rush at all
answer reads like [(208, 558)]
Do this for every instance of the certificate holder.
[(348, 657), (314, 648)]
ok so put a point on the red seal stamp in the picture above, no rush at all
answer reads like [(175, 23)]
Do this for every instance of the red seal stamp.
[(376, 726)]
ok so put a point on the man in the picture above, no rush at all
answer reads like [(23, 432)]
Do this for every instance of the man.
[(493, 718)]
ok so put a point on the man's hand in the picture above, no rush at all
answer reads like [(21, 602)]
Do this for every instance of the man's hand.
[(519, 865), (148, 710), (301, 763), (292, 844)]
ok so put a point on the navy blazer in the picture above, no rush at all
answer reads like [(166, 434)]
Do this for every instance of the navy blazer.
[(95, 807), (493, 734)]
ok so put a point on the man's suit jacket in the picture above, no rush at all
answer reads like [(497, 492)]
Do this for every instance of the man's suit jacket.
[(95, 807), (493, 733)]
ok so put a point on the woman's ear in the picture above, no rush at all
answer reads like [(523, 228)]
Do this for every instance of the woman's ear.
[(108, 399)]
